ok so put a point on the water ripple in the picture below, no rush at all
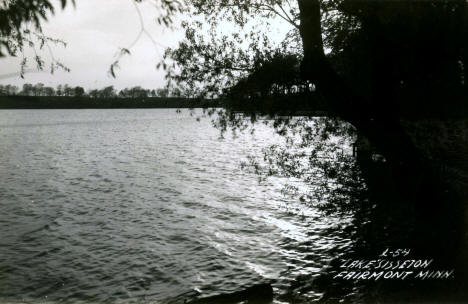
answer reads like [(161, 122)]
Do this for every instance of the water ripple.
[(143, 206)]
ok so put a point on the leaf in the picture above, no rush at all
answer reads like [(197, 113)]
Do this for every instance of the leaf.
[(125, 51)]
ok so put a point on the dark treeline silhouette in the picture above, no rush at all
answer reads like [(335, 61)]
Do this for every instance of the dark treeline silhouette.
[(39, 96), (40, 89), (66, 102)]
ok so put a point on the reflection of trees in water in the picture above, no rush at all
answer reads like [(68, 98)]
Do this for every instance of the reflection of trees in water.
[(333, 169)]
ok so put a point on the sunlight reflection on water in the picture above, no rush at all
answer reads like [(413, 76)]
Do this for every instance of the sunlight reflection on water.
[(143, 205)]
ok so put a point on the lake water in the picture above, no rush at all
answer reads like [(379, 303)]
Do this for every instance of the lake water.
[(145, 206)]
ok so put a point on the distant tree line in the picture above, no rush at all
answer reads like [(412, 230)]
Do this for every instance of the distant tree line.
[(40, 89), (39, 96)]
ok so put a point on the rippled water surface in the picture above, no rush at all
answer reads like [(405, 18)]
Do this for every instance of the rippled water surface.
[(144, 206)]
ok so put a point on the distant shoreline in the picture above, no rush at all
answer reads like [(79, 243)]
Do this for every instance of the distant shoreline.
[(68, 102), (286, 106)]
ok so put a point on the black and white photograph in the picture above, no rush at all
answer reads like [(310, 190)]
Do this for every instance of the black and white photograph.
[(233, 151)]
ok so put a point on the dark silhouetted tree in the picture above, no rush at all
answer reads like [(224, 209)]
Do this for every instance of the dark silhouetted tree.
[(107, 92), (79, 91), (27, 89), (8, 90), (163, 92), (49, 91)]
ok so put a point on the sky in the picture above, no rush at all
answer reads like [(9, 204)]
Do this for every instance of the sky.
[(95, 30)]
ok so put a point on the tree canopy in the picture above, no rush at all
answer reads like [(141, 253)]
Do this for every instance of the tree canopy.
[(372, 61), (406, 46)]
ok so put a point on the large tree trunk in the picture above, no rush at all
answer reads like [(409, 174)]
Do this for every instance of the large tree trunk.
[(382, 128)]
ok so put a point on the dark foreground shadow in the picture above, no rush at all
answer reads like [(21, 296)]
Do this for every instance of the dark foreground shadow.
[(399, 232), (257, 294)]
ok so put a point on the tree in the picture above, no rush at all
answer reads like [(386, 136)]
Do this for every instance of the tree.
[(59, 90), (38, 89), (276, 75), (93, 93), (8, 90), (107, 92), (374, 63), (210, 58), (49, 91), (175, 92), (162, 92), (79, 91), (67, 90), (27, 89), (404, 63)]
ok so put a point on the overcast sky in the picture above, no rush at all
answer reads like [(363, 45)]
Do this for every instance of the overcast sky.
[(94, 31)]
